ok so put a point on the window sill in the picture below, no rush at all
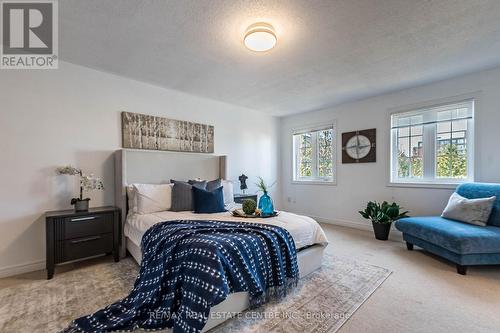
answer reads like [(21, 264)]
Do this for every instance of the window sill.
[(314, 182), (445, 186)]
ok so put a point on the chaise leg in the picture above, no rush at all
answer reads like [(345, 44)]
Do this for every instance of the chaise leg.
[(409, 246), (462, 270)]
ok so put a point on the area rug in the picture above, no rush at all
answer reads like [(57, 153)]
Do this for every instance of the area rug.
[(322, 302)]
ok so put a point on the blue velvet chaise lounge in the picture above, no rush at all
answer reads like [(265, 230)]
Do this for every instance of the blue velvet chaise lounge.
[(462, 243)]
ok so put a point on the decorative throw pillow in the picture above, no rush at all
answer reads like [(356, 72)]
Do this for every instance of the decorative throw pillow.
[(208, 201), (472, 211), (198, 183), (151, 198), (182, 194), (210, 185), (213, 184), (228, 192)]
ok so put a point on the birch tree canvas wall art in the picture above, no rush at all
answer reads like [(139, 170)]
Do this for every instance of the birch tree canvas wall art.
[(140, 131)]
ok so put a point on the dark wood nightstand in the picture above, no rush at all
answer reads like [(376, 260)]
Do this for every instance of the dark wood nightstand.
[(238, 198), (76, 235)]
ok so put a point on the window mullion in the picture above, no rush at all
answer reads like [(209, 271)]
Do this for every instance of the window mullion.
[(394, 153), (469, 146), (296, 158), (450, 165), (315, 152), (429, 144)]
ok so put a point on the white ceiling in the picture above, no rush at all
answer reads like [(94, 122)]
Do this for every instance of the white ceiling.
[(328, 51)]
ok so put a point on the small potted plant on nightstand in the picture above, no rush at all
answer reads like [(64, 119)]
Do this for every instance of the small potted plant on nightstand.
[(87, 182), (382, 216)]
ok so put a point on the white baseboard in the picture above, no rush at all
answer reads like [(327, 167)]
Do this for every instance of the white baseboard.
[(344, 223), (35, 266), (22, 268), (395, 234)]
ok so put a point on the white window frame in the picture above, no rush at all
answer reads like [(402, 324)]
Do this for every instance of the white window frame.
[(315, 180), (429, 178)]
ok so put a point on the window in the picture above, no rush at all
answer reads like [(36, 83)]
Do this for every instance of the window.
[(314, 154), (433, 145)]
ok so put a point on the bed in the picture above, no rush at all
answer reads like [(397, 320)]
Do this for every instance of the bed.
[(139, 166)]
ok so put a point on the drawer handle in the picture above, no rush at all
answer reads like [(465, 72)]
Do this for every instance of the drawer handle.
[(83, 240), (83, 218)]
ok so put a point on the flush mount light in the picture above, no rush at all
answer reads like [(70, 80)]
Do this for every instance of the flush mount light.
[(260, 37)]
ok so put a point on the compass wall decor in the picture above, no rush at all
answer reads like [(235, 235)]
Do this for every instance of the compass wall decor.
[(359, 146)]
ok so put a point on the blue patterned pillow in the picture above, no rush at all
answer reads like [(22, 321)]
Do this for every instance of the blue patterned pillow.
[(208, 202)]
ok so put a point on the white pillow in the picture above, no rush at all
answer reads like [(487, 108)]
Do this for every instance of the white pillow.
[(472, 211), (153, 198), (227, 191), (132, 199)]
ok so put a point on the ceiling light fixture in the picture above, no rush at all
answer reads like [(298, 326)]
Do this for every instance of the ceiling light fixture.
[(260, 37)]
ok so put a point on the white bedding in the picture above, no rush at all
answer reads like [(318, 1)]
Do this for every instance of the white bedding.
[(304, 230)]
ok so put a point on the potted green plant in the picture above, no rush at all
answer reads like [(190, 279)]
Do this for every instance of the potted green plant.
[(87, 182), (382, 216)]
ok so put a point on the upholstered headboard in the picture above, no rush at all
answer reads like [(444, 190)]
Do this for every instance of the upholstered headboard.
[(155, 167)]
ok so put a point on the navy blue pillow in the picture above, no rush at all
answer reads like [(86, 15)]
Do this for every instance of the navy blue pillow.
[(208, 202)]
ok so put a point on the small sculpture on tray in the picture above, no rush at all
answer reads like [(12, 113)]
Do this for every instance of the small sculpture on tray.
[(243, 182), (249, 206)]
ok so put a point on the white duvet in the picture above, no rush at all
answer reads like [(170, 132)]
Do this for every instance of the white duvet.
[(304, 230)]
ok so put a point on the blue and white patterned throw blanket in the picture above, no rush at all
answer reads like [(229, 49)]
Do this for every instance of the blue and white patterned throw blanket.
[(189, 266)]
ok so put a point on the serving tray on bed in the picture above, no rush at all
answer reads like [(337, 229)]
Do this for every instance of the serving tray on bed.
[(240, 213)]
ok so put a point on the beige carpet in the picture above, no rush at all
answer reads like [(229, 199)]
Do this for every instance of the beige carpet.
[(424, 294), (322, 302)]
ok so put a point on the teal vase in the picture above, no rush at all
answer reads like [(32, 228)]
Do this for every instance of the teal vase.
[(266, 205)]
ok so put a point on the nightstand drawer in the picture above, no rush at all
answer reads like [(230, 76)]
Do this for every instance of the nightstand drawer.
[(87, 246), (87, 225)]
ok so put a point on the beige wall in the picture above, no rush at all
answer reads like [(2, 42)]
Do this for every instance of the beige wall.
[(72, 116), (359, 183)]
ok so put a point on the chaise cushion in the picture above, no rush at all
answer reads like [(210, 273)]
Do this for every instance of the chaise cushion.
[(454, 236)]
